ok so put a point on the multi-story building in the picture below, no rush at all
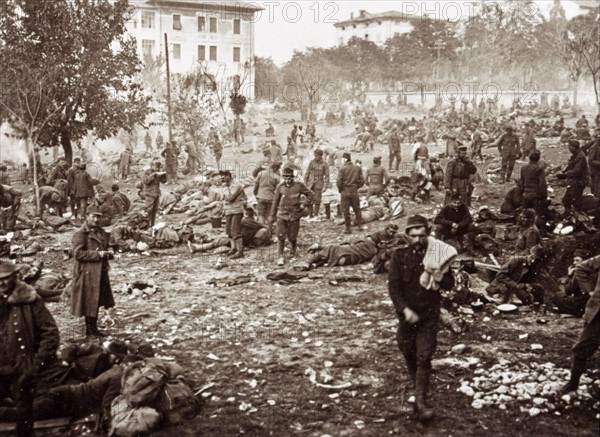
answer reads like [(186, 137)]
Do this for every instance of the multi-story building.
[(219, 35), (377, 28)]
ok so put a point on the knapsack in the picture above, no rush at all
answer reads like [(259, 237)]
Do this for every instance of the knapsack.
[(127, 421), (142, 382), (177, 402)]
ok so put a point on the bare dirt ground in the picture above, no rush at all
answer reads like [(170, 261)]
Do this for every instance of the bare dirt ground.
[(259, 344)]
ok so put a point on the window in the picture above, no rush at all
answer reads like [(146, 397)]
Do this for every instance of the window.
[(202, 53), (177, 22), (237, 26), (213, 53), (176, 51), (212, 24), (148, 47), (201, 24), (366, 36), (236, 54), (147, 20)]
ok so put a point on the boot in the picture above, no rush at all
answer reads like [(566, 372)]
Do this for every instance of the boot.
[(239, 245), (293, 248), (280, 247), (233, 247), (502, 178), (9, 414), (423, 411), (412, 371), (577, 370), (91, 328)]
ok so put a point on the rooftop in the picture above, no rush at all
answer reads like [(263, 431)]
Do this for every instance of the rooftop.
[(366, 17), (200, 4)]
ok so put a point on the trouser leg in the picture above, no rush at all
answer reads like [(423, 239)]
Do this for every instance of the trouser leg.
[(510, 166), (426, 341), (345, 206), (588, 344), (292, 235), (406, 338), (24, 401), (318, 192), (355, 203)]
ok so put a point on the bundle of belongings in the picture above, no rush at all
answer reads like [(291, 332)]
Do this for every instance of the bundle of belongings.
[(134, 392)]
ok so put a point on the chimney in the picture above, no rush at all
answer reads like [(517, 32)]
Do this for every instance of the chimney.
[(362, 13), (352, 15)]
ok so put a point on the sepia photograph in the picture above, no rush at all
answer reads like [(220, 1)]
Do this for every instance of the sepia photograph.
[(299, 218)]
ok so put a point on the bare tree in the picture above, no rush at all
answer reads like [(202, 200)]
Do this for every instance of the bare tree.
[(582, 40), (313, 77), (28, 104)]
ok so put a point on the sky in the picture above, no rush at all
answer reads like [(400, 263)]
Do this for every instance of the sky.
[(285, 26)]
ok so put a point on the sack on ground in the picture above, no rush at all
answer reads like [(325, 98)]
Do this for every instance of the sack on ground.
[(177, 402), (143, 381), (127, 421)]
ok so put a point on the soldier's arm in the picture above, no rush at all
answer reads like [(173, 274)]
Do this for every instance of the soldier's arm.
[(46, 329), (275, 206), (395, 283), (340, 179), (307, 192), (80, 251), (584, 273)]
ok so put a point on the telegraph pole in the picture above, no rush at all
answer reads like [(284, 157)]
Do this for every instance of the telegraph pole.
[(168, 88)]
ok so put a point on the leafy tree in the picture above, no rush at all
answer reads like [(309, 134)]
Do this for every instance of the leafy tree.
[(312, 74), (359, 61), (194, 107), (583, 40), (267, 76), (86, 41), (151, 76)]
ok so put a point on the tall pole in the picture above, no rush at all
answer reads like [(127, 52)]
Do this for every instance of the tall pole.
[(168, 88)]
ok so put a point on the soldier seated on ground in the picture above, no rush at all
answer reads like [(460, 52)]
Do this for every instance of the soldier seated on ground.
[(51, 198), (529, 234), (270, 131), (574, 294), (521, 276), (254, 234), (513, 201), (455, 221)]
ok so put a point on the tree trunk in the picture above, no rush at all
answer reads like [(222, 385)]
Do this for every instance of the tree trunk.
[(575, 86), (36, 186), (596, 79), (65, 141)]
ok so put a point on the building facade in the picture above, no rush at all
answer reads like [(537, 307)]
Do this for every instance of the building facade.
[(218, 35), (377, 28)]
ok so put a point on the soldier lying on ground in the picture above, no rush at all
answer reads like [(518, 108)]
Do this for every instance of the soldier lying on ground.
[(351, 253), (254, 234)]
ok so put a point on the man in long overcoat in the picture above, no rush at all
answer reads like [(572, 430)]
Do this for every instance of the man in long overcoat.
[(91, 284), (28, 342)]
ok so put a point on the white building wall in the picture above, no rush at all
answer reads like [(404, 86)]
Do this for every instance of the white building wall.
[(377, 33), (188, 38)]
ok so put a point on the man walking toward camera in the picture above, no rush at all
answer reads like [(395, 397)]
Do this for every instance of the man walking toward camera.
[(417, 306), (288, 208)]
